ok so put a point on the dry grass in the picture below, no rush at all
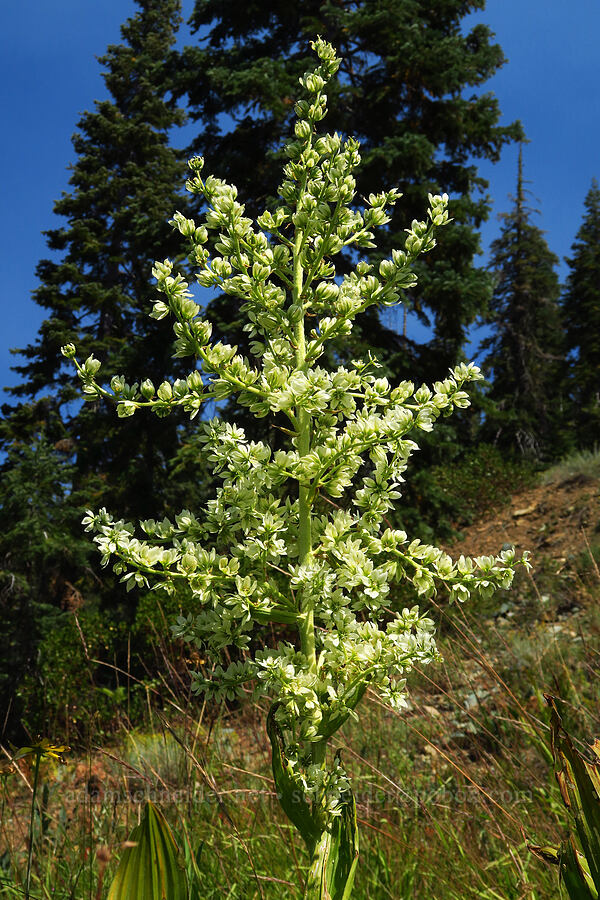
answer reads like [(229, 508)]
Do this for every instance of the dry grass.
[(585, 463)]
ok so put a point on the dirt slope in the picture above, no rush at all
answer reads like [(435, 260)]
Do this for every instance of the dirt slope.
[(553, 521)]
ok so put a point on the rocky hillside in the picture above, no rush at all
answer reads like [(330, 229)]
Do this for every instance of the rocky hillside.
[(556, 521)]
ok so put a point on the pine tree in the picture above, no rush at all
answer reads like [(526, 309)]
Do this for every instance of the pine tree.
[(42, 548), (124, 186), (408, 89), (525, 349), (581, 312)]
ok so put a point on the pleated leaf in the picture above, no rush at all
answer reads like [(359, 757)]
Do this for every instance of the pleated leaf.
[(575, 873), (290, 797), (331, 875), (579, 782), (149, 868)]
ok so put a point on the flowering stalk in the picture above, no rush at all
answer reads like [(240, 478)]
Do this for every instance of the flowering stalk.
[(43, 749), (298, 536)]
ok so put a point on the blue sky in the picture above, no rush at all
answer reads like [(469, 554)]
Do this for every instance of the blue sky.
[(49, 74)]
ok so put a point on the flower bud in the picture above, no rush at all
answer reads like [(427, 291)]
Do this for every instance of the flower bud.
[(91, 365), (387, 269), (147, 389), (302, 130)]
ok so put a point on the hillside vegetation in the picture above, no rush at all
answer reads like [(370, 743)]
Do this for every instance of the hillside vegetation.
[(443, 792)]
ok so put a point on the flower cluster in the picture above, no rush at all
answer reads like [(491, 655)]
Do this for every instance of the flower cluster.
[(299, 536)]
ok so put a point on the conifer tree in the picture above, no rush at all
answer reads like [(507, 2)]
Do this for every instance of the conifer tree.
[(124, 186), (407, 88), (581, 312), (525, 349), (41, 547)]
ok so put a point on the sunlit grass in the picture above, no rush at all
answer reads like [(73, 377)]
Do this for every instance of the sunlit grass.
[(584, 463)]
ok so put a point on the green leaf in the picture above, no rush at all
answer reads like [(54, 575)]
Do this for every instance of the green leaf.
[(333, 721), (575, 873), (149, 869), (331, 875), (192, 865), (579, 782), (290, 796)]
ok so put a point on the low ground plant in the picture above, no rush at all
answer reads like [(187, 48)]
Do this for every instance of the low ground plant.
[(483, 479), (583, 463)]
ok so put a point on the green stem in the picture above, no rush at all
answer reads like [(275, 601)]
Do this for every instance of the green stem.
[(307, 620), (305, 497), (36, 773), (306, 624)]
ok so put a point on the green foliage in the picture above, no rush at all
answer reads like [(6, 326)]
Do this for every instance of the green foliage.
[(70, 685), (150, 868), (269, 549), (578, 857), (581, 311), (43, 561), (153, 612), (331, 875), (293, 802), (525, 350), (482, 480), (47, 586), (36, 524)]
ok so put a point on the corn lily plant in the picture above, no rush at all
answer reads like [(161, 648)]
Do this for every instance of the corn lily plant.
[(298, 536)]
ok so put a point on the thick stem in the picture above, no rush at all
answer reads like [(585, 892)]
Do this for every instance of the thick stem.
[(305, 495), (307, 620)]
